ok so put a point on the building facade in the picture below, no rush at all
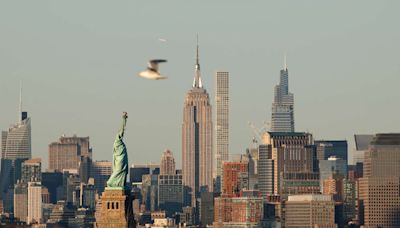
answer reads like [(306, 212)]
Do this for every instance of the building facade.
[(221, 121), (235, 178), (197, 139), (242, 211), (282, 117), (292, 156), (380, 186), (34, 202), (330, 167), (16, 142), (69, 152), (15, 148), (21, 197), (170, 193), (331, 148), (31, 170), (310, 211), (101, 171), (167, 164)]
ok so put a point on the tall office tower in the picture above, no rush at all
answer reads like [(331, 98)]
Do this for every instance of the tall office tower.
[(265, 170), (197, 130), (282, 118), (167, 165), (15, 148), (310, 211), (67, 152), (329, 168), (21, 201), (101, 171), (349, 200), (380, 185), (295, 164), (34, 202), (31, 170), (170, 193), (221, 122), (235, 178), (329, 148), (16, 142)]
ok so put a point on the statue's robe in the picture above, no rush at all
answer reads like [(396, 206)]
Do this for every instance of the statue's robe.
[(120, 161)]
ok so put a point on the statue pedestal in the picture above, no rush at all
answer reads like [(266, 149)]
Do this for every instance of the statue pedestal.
[(116, 209)]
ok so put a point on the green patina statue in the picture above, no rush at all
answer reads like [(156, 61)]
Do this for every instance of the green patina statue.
[(120, 159)]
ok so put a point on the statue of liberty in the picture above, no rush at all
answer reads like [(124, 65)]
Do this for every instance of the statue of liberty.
[(120, 159)]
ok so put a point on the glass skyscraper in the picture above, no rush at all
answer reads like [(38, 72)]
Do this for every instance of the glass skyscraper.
[(221, 122), (282, 117)]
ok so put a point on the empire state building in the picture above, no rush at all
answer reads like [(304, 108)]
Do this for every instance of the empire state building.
[(197, 157)]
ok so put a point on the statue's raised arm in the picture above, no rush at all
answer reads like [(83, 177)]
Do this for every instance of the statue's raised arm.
[(120, 159)]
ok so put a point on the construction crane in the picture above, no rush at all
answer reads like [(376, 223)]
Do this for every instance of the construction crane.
[(258, 132)]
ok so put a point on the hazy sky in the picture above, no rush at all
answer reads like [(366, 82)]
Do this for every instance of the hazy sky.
[(78, 61)]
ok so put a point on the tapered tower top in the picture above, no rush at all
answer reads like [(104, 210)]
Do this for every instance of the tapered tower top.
[(197, 78)]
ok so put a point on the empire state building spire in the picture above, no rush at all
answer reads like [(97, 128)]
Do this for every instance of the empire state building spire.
[(197, 78)]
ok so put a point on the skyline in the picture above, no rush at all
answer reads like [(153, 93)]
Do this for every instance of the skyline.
[(75, 96)]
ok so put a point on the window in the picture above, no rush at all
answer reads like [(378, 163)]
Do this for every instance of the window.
[(112, 205)]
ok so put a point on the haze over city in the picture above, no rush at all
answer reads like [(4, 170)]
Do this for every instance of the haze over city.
[(79, 65)]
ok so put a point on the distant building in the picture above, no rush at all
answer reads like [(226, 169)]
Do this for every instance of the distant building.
[(362, 143), (21, 199), (197, 139), (136, 171), (31, 171), (164, 223), (332, 166), (70, 183), (235, 178), (238, 211), (16, 141), (67, 152), (221, 122), (150, 192), (15, 148), (206, 208), (101, 171), (282, 118), (45, 195), (87, 195), (380, 185), (84, 218), (329, 148), (53, 181), (188, 216), (310, 211), (170, 193), (294, 162), (167, 164), (34, 202), (265, 170), (349, 200), (61, 214)]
